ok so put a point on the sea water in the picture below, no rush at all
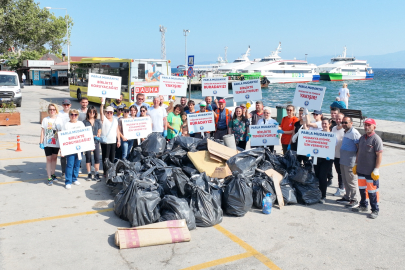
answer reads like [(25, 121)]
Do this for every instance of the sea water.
[(381, 98)]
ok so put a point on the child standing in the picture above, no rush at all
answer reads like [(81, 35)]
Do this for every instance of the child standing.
[(184, 126)]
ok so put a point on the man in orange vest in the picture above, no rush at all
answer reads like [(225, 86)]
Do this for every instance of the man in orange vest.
[(222, 118)]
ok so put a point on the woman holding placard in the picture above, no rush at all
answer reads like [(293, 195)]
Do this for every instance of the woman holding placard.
[(294, 138), (73, 161), (267, 120), (95, 124), (143, 110), (323, 166), (125, 143), (110, 134), (287, 127), (239, 128)]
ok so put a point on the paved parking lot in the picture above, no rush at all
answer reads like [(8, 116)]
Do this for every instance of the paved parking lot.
[(44, 227)]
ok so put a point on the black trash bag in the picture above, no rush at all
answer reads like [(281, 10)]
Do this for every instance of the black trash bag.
[(173, 208), (180, 180), (150, 162), (138, 203), (289, 160), (109, 167), (202, 145), (201, 180), (188, 144), (206, 209), (166, 181), (126, 178), (274, 160), (303, 176), (136, 155), (149, 176), (189, 171), (169, 145), (217, 191), (154, 145), (175, 157), (262, 186), (308, 194), (289, 194), (265, 165), (238, 196), (246, 162)]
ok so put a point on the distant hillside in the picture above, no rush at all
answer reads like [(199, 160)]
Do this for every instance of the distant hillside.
[(389, 60)]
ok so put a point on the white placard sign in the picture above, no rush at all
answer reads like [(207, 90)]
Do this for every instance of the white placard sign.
[(172, 85), (136, 128), (247, 90), (201, 122), (316, 143), (104, 86), (214, 86), (309, 96), (76, 141), (262, 135)]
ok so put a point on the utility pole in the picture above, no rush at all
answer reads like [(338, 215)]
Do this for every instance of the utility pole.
[(162, 30), (185, 33), (226, 53)]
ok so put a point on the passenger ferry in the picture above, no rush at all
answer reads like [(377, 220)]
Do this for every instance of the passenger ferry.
[(239, 64), (277, 70), (345, 68)]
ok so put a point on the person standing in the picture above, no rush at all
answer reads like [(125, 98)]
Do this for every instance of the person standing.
[(64, 115), (110, 134), (126, 145), (239, 127), (344, 95), (84, 102), (184, 127), (140, 101), (203, 109), (287, 127), (118, 102), (339, 132), (174, 122), (256, 114), (133, 111), (294, 136), (333, 114), (323, 166), (210, 105), (49, 140), (191, 107), (348, 153), (222, 118), (95, 124), (317, 125), (23, 77), (159, 117), (183, 103), (367, 168), (73, 161), (267, 120)]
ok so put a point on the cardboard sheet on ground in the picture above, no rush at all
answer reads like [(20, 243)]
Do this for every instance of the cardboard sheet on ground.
[(276, 180), (203, 163), (247, 90), (166, 232), (201, 122), (309, 96), (220, 150), (263, 135), (316, 143), (172, 85), (136, 128), (214, 86), (76, 141), (104, 86)]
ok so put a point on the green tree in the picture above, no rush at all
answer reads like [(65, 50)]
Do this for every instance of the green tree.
[(29, 31)]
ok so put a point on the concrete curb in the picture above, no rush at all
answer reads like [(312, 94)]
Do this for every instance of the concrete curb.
[(58, 88), (389, 137)]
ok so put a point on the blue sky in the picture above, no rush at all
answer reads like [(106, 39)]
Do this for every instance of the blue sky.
[(130, 29)]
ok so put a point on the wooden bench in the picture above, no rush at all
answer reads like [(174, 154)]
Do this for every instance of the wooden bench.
[(354, 114)]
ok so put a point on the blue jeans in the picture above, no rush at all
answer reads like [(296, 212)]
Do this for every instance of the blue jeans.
[(72, 168), (126, 148)]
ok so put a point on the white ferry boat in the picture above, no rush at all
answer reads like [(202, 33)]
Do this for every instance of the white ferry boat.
[(345, 68), (277, 70), (240, 63)]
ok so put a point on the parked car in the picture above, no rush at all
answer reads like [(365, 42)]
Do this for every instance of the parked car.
[(10, 88)]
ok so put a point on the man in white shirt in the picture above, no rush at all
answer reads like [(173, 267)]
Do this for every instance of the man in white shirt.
[(140, 98), (83, 110), (64, 115), (159, 117), (344, 95), (339, 133)]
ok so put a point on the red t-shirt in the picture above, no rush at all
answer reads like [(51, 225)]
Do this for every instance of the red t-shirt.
[(287, 124)]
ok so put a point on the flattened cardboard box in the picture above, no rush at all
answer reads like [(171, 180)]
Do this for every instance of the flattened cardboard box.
[(166, 232)]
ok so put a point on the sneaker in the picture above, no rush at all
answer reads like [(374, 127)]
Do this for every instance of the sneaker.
[(50, 182), (343, 200), (68, 186), (340, 192), (89, 177), (322, 201), (373, 215), (352, 204), (360, 209), (77, 183), (80, 170), (97, 178), (54, 177)]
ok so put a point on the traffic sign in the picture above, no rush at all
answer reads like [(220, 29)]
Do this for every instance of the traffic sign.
[(190, 72), (191, 60)]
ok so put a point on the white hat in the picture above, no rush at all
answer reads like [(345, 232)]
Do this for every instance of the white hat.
[(109, 109)]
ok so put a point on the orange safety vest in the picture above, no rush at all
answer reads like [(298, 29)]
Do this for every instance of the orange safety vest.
[(228, 117)]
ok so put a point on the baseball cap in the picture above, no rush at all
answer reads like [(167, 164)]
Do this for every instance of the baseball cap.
[(317, 112), (109, 109), (242, 105), (203, 103), (66, 101), (370, 121), (221, 100)]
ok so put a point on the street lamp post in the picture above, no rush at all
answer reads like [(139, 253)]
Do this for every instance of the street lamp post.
[(68, 41), (185, 33)]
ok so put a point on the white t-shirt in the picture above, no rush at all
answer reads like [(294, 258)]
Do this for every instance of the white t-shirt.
[(270, 121), (157, 116), (139, 108), (70, 126), (112, 136), (343, 94), (82, 115), (51, 128), (64, 116), (339, 138), (319, 124)]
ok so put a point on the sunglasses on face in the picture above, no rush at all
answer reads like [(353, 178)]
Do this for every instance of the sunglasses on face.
[(109, 112), (143, 111), (51, 109), (315, 114), (74, 114), (126, 111), (92, 112), (65, 104), (345, 123), (289, 110)]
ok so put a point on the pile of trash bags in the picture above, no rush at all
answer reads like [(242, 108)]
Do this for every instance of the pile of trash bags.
[(158, 182)]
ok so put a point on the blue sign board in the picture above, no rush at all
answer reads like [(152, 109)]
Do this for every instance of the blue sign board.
[(191, 60)]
